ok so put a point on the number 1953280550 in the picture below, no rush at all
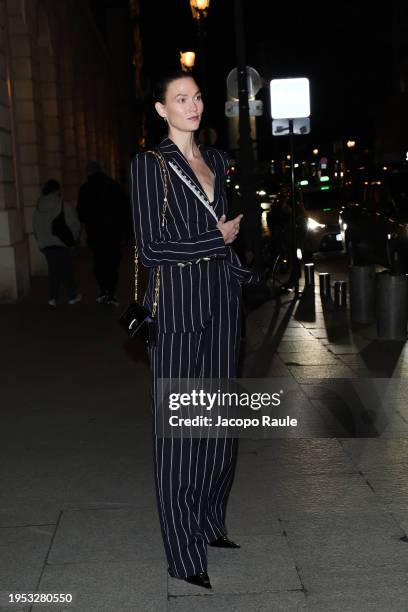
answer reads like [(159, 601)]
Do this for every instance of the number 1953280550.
[(39, 598)]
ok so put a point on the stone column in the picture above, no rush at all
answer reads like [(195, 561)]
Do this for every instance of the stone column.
[(89, 110), (25, 76), (70, 160), (99, 104), (50, 116), (14, 264), (106, 129), (80, 131)]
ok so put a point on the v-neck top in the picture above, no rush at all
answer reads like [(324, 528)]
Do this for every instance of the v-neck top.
[(198, 180), (201, 149)]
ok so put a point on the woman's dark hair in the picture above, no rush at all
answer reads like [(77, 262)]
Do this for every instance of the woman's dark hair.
[(51, 186), (161, 85)]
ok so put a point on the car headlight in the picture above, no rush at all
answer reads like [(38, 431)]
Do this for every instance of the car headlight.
[(313, 225)]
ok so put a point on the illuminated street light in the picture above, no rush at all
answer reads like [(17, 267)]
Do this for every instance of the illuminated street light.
[(199, 8), (315, 151), (351, 144), (187, 59)]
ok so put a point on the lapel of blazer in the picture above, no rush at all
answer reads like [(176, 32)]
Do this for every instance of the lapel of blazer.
[(171, 152), (209, 160)]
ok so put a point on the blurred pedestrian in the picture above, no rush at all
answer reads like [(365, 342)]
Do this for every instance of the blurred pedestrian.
[(50, 213), (102, 209)]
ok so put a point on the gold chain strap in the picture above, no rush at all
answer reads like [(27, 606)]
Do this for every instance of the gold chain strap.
[(163, 172)]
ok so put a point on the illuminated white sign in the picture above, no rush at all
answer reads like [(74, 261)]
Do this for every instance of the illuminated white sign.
[(290, 98)]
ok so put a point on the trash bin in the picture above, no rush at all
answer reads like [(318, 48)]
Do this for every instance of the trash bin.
[(362, 294), (392, 305), (340, 293)]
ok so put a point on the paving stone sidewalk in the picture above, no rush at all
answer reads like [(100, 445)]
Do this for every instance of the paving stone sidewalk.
[(319, 517)]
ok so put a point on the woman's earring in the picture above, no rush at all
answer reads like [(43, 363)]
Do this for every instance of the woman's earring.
[(164, 118)]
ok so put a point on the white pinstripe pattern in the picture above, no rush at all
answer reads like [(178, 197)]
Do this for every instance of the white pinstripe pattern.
[(193, 475), (190, 234), (198, 336)]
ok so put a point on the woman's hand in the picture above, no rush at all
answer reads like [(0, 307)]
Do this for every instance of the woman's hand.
[(229, 229)]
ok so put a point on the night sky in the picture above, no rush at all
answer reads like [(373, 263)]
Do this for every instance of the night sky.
[(346, 53), (345, 49)]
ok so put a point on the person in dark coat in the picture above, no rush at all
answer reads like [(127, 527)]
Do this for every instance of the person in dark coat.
[(197, 322), (102, 209)]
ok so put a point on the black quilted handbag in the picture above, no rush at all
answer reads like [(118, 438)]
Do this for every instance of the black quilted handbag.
[(137, 321)]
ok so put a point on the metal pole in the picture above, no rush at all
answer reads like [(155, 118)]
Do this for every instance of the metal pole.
[(295, 261), (252, 218), (201, 53)]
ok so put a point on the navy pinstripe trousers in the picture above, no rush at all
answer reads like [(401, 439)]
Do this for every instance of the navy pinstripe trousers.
[(193, 476)]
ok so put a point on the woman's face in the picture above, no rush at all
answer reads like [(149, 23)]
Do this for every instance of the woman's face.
[(183, 105)]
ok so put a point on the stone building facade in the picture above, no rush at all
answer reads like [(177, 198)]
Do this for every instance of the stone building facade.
[(57, 111)]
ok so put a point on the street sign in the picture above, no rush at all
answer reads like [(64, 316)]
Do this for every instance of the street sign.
[(254, 82), (290, 105), (255, 108), (290, 98), (232, 108), (301, 126), (281, 127)]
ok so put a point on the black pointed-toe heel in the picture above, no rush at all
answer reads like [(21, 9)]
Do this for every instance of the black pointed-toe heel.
[(202, 579), (224, 542)]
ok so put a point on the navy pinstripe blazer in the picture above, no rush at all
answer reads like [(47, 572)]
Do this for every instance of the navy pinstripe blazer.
[(190, 249)]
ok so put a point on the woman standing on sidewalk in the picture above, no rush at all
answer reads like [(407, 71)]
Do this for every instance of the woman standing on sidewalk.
[(57, 253), (197, 319)]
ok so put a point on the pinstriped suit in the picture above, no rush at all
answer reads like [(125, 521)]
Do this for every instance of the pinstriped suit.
[(198, 323)]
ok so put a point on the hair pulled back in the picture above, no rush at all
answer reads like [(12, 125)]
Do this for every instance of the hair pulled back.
[(161, 85)]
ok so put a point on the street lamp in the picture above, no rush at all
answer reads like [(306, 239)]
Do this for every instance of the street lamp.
[(187, 59), (351, 144), (199, 8)]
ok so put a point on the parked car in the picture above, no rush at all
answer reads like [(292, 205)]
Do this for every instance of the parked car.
[(321, 205), (374, 224)]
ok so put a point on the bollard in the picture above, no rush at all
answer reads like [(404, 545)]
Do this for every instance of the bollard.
[(392, 304), (309, 274), (340, 293), (324, 281), (362, 294)]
